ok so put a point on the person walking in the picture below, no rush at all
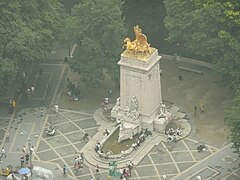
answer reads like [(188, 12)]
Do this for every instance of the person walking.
[(97, 169), (14, 104), (24, 150), (56, 108), (3, 153), (180, 77), (202, 107), (22, 161), (174, 57), (7, 136), (27, 158), (64, 170), (32, 151), (195, 110), (109, 92), (82, 157), (32, 89), (80, 167), (41, 112)]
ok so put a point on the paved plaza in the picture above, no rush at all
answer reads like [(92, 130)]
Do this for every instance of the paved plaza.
[(176, 160)]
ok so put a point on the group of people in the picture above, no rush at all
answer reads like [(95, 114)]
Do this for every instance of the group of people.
[(145, 133), (98, 149), (73, 91), (85, 137), (172, 134), (78, 163), (26, 156), (201, 148), (137, 144), (98, 146), (30, 90), (126, 172)]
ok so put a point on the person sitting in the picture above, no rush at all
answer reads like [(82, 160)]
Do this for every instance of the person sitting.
[(174, 138), (147, 132), (106, 132), (50, 127), (134, 146), (179, 132), (100, 152), (171, 131), (138, 143), (142, 138), (118, 122), (201, 147), (98, 146), (85, 136), (169, 138)]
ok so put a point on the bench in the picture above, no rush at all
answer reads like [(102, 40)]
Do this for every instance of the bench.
[(189, 69)]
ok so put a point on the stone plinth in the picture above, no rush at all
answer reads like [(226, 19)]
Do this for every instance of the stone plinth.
[(140, 92), (141, 78)]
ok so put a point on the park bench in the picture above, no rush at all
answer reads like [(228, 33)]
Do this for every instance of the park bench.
[(189, 69)]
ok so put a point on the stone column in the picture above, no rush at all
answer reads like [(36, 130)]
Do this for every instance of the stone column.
[(140, 77)]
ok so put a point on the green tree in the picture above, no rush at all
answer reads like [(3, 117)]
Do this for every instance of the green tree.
[(232, 119), (149, 16), (97, 27), (211, 29), (28, 31)]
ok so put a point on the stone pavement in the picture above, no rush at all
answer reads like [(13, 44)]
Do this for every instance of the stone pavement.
[(176, 160), (26, 124)]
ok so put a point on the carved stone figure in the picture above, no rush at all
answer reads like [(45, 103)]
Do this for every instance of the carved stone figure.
[(133, 103), (126, 111)]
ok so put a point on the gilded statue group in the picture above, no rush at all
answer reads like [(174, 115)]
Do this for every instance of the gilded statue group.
[(139, 45)]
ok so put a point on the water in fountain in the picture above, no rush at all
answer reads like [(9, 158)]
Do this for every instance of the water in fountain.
[(112, 145)]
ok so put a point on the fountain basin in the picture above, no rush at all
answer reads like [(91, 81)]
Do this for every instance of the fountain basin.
[(112, 149)]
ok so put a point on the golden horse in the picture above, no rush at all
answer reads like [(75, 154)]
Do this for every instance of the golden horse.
[(139, 45), (130, 45)]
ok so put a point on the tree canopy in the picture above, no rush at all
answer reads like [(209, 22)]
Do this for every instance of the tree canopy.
[(211, 29), (232, 118), (97, 27), (28, 30)]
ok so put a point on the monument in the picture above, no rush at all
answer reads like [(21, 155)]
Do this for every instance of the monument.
[(140, 103)]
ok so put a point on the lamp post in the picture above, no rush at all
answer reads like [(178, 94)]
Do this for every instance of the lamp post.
[(30, 151)]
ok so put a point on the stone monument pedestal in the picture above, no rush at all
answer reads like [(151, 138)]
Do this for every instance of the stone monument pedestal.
[(140, 93)]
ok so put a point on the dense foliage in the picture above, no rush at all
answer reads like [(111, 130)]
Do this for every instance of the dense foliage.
[(97, 27), (149, 16), (28, 30), (211, 29), (233, 121)]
